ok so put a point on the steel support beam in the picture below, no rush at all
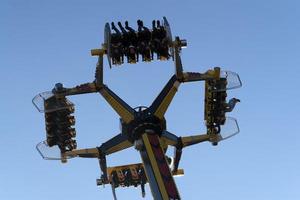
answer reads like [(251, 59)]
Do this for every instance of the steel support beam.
[(160, 178)]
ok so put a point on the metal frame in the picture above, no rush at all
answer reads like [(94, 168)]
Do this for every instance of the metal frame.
[(151, 140), (158, 181)]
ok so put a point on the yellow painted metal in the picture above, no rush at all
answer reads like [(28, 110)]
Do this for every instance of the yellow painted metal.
[(91, 86), (97, 52), (189, 140), (155, 168), (136, 165), (179, 172), (161, 110), (165, 142), (209, 74), (120, 109), (91, 153), (75, 91), (123, 145)]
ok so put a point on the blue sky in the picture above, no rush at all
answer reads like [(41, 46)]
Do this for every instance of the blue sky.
[(45, 42)]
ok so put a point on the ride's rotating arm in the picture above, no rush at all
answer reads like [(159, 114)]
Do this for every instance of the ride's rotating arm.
[(181, 142), (212, 74), (60, 91), (92, 87), (99, 66), (120, 106), (163, 100), (115, 144)]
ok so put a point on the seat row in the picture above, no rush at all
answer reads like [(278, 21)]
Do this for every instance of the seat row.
[(144, 42)]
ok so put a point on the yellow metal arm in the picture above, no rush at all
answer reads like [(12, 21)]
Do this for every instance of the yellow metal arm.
[(80, 89), (120, 106), (163, 100), (191, 140), (84, 153), (99, 66), (115, 144), (196, 76), (177, 61)]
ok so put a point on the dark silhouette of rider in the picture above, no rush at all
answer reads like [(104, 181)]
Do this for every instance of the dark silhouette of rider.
[(144, 38), (163, 41), (129, 42), (116, 46), (132, 40), (155, 40)]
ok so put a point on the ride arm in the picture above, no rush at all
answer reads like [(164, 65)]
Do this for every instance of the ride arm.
[(195, 139), (83, 153), (115, 144), (177, 59), (171, 139), (180, 142), (121, 107), (85, 88), (196, 76), (99, 66), (163, 100)]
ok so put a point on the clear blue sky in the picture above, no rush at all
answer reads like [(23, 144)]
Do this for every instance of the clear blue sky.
[(44, 42)]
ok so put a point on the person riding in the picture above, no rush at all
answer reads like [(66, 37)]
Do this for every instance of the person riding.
[(155, 40), (116, 46), (125, 40), (132, 41), (144, 38), (163, 41)]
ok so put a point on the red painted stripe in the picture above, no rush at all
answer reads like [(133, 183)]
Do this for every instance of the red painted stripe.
[(163, 167)]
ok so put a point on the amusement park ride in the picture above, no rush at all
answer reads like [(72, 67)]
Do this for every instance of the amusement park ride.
[(143, 127)]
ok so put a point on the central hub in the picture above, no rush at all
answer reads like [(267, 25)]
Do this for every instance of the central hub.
[(143, 120)]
